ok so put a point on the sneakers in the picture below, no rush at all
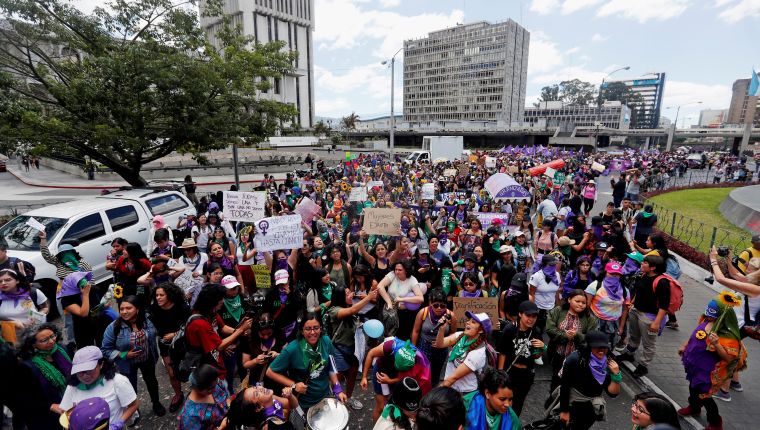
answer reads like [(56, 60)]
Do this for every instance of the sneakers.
[(689, 412), (354, 404), (716, 426), (722, 395), (176, 403), (626, 356), (640, 371), (135, 419), (737, 386), (672, 324), (159, 409)]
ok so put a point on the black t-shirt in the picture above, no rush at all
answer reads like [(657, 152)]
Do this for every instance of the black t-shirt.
[(618, 188), (168, 320), (504, 274), (515, 345), (89, 329), (649, 300), (575, 204), (577, 374)]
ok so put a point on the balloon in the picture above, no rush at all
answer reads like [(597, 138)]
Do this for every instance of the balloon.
[(373, 328)]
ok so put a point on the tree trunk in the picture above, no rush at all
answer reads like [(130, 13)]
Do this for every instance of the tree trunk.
[(129, 174)]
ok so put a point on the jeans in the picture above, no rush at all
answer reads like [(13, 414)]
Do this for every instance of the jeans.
[(638, 326)]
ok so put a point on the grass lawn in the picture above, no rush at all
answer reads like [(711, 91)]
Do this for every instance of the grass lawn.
[(696, 214)]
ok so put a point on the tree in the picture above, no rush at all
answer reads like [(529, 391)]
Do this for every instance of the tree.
[(322, 129), (132, 83), (550, 93), (577, 92), (349, 122)]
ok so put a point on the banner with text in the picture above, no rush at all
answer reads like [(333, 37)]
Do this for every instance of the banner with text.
[(385, 222), (486, 218), (279, 232), (244, 205)]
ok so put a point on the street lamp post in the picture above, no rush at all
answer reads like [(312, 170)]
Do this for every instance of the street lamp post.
[(599, 101), (672, 132), (393, 118)]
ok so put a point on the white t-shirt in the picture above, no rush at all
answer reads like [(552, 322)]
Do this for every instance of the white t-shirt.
[(476, 361), (20, 312), (398, 288), (754, 308), (202, 239), (545, 293), (118, 392)]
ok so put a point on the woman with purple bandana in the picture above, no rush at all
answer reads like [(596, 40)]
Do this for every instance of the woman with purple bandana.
[(586, 375), (609, 300), (544, 288)]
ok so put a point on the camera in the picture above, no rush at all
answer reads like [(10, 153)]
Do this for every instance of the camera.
[(710, 279), (723, 251)]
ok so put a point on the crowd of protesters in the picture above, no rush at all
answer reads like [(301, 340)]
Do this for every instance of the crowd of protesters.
[(573, 283)]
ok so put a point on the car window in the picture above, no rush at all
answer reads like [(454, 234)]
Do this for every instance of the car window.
[(122, 217), (165, 204), (21, 237), (87, 228)]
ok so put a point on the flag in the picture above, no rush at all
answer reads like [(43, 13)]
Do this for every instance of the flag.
[(754, 85)]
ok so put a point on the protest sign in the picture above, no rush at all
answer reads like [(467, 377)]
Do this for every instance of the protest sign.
[(279, 232), (307, 209), (384, 222), (427, 192), (244, 205), (598, 167), (358, 194), (490, 162), (486, 218), (373, 184), (550, 172), (464, 170), (513, 170), (489, 305), (450, 173), (33, 223), (261, 274)]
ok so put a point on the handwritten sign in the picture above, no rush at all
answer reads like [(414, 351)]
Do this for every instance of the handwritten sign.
[(550, 172), (489, 305), (449, 173), (279, 232), (486, 218), (307, 209), (373, 184), (427, 192), (244, 205), (358, 194), (490, 162), (385, 222), (261, 274)]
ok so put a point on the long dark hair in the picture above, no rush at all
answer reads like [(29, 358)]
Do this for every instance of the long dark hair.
[(108, 371), (139, 322), (135, 252), (338, 297), (441, 409), (658, 244), (28, 339), (660, 410), (209, 296)]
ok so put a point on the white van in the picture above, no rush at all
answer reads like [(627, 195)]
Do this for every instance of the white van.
[(93, 224)]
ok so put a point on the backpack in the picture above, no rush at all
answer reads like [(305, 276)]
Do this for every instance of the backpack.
[(184, 358), (327, 324), (676, 293), (672, 268), (12, 263)]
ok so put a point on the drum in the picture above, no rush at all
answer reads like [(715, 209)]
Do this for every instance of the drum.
[(328, 414)]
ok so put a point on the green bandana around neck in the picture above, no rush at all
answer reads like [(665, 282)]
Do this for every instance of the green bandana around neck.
[(312, 356), (460, 348), (234, 306), (48, 370), (69, 259), (87, 387)]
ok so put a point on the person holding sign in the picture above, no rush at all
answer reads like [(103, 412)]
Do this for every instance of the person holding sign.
[(399, 289)]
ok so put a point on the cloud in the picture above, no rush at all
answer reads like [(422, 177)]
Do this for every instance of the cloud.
[(573, 50), (571, 6), (369, 83), (332, 107), (342, 24), (644, 10), (598, 38), (568, 73), (688, 93), (390, 3), (544, 7), (739, 11), (543, 54)]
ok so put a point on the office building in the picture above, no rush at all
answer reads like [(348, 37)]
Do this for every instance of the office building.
[(712, 118), (743, 108), (558, 114), (290, 21), (650, 87), (471, 72)]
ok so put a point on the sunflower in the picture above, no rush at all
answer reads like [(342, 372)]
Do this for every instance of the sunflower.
[(118, 292), (700, 334), (729, 299)]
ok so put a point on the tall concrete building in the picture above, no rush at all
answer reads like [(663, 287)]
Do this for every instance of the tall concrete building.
[(743, 108), (712, 118), (291, 21), (471, 72), (612, 114), (651, 87)]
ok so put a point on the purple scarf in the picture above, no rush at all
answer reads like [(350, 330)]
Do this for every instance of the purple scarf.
[(465, 293), (613, 287), (16, 297), (630, 267), (550, 272), (598, 368)]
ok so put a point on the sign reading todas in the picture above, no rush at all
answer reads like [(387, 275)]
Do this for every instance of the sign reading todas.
[(261, 273), (385, 222), (279, 232), (489, 305), (244, 205)]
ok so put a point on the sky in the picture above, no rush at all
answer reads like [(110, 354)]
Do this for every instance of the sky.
[(702, 45)]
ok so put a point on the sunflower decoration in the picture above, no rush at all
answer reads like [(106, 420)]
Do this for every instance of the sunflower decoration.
[(118, 292), (343, 185), (700, 334), (729, 299)]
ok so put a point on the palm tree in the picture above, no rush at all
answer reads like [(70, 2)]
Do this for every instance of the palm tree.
[(349, 122)]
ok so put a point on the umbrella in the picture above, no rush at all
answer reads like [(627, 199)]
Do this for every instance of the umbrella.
[(503, 186)]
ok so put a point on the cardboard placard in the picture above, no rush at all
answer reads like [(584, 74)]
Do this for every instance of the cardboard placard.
[(385, 222), (373, 184), (464, 170), (598, 167), (261, 274), (307, 209), (489, 305), (244, 206), (550, 172), (450, 173), (358, 194), (279, 232), (427, 192)]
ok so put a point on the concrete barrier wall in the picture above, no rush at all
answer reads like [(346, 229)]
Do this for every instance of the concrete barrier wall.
[(742, 208)]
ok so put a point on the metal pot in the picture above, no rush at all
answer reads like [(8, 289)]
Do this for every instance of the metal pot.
[(328, 414)]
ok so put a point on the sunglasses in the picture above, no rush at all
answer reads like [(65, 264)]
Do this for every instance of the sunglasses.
[(438, 305)]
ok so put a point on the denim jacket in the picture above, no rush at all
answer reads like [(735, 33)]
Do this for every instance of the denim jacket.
[(114, 346)]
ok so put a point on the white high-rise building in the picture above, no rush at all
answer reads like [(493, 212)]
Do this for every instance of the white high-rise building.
[(291, 21), (471, 72)]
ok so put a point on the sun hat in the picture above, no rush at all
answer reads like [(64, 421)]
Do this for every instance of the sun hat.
[(528, 308), (229, 282), (565, 241), (281, 277), (613, 267), (483, 319), (405, 357), (86, 359), (407, 394), (373, 328), (597, 339), (89, 414), (188, 243)]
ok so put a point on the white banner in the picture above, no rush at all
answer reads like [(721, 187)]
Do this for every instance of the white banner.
[(427, 192), (490, 162), (244, 205), (279, 232), (358, 194), (486, 218)]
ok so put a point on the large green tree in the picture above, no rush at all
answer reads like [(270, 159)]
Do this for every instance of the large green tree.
[(133, 81), (572, 92)]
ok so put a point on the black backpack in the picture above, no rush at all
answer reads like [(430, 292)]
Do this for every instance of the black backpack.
[(184, 358)]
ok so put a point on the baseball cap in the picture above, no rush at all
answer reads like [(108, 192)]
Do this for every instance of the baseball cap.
[(520, 280), (613, 267), (597, 339), (470, 256), (65, 247), (548, 260), (601, 246), (423, 248), (404, 357), (503, 249), (86, 359), (229, 282), (407, 394), (528, 308), (281, 277), (518, 233), (483, 319), (636, 256), (90, 414), (756, 238)]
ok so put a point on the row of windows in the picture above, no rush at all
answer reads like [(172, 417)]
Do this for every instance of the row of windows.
[(485, 107), (299, 8), (432, 49), (422, 117)]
